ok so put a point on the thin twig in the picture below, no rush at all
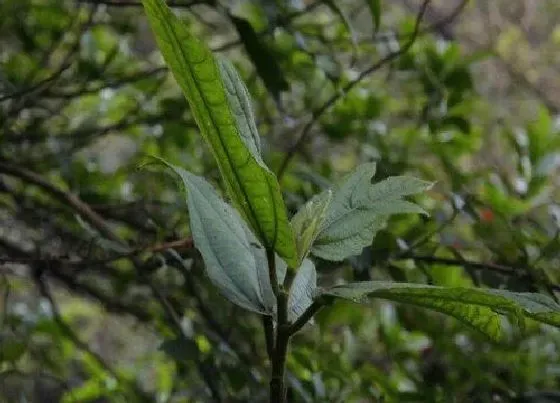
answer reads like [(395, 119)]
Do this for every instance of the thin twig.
[(67, 198)]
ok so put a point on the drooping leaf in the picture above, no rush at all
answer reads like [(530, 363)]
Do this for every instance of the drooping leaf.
[(375, 11), (359, 209), (207, 85), (476, 307), (306, 223), (263, 59), (230, 251), (302, 290)]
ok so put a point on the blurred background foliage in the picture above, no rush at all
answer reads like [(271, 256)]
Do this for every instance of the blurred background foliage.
[(103, 298)]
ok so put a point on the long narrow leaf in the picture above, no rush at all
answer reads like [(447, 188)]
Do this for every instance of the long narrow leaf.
[(218, 103), (476, 307)]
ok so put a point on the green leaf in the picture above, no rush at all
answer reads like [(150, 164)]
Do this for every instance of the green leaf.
[(240, 104), (302, 290), (476, 307), (263, 59), (359, 209), (235, 261), (219, 104), (375, 11), (306, 223)]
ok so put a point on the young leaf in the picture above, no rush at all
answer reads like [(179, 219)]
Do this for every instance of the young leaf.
[(306, 223), (302, 290), (358, 210), (219, 104), (229, 249), (476, 307)]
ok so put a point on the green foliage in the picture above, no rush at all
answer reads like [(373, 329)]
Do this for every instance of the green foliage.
[(476, 307), (219, 105), (334, 225), (234, 259), (112, 287), (358, 211)]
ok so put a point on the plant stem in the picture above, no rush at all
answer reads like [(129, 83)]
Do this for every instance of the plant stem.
[(315, 307), (268, 325), (277, 346), (271, 259), (277, 387)]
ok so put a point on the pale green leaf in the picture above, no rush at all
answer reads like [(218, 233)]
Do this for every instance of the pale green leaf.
[(476, 307), (359, 209), (306, 223), (281, 266), (349, 238), (302, 290), (240, 103), (234, 259), (220, 106)]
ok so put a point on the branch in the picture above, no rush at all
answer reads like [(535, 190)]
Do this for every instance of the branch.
[(317, 113), (108, 303), (73, 201), (38, 86), (440, 23), (306, 316), (112, 84), (179, 244)]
